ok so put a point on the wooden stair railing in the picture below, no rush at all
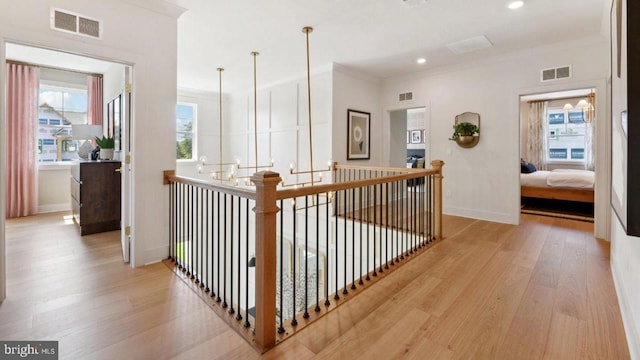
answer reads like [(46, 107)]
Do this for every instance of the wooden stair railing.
[(267, 200)]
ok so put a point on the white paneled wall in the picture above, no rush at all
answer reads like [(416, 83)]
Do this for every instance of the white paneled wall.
[(283, 125)]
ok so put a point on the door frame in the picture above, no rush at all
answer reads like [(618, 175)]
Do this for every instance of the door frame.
[(602, 218), (386, 141), (3, 121)]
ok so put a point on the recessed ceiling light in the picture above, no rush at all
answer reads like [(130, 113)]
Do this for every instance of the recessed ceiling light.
[(421, 61), (517, 4)]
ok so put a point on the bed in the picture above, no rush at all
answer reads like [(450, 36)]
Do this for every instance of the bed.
[(559, 184)]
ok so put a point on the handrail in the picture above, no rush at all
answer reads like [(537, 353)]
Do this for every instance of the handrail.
[(325, 188), (169, 176)]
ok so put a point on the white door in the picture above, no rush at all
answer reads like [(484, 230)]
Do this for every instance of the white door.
[(126, 164)]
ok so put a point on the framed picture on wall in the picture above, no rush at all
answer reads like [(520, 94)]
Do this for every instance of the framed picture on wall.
[(114, 120), (416, 136), (358, 134)]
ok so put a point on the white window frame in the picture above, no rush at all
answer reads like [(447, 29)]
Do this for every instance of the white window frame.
[(567, 161), (194, 131), (56, 86)]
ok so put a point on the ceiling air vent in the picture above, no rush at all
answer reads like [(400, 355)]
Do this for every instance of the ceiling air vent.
[(69, 22), (405, 96), (559, 73)]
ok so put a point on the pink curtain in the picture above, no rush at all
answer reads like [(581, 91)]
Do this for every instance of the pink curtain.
[(22, 115), (94, 113)]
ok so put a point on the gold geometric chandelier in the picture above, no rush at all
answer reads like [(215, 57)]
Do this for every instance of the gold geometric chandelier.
[(311, 172)]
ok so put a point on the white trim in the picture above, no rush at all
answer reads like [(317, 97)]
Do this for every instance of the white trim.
[(602, 224), (492, 216), (54, 165), (633, 339), (3, 126), (54, 208)]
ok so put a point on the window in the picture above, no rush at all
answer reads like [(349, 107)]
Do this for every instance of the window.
[(185, 131), (59, 106), (567, 130)]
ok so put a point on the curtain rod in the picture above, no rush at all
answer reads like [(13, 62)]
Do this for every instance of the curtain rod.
[(52, 68), (562, 98)]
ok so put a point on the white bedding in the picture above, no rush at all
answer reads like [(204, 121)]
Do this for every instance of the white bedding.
[(535, 179), (559, 178)]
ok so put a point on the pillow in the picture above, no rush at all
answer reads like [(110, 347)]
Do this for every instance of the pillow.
[(528, 169)]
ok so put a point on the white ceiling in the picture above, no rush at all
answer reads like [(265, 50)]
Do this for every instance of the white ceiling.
[(380, 37)]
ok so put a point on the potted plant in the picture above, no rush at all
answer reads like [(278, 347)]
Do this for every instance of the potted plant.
[(107, 145), (462, 130)]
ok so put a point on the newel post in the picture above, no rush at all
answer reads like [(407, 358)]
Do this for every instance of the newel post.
[(266, 258), (437, 165)]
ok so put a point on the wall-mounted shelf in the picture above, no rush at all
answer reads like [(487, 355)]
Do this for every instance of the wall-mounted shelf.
[(467, 141)]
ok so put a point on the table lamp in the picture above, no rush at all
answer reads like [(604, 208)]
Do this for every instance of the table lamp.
[(85, 132)]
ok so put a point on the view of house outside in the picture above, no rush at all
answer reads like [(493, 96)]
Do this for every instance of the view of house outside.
[(59, 107), (185, 131), (567, 130)]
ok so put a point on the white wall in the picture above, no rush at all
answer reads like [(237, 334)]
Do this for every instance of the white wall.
[(625, 250), (147, 38), (282, 126), (625, 265), (483, 182), (398, 138), (53, 188), (356, 91)]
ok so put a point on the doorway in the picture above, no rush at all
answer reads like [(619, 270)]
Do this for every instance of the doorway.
[(62, 106), (409, 138), (557, 151)]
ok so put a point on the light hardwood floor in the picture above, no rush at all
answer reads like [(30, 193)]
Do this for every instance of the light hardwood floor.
[(488, 291)]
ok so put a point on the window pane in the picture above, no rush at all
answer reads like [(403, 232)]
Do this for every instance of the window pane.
[(58, 108), (563, 146), (576, 117), (557, 153), (556, 118), (185, 131), (184, 146), (184, 117), (577, 153)]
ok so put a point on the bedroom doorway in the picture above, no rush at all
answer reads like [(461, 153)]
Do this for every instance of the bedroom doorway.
[(63, 87), (409, 137), (557, 152)]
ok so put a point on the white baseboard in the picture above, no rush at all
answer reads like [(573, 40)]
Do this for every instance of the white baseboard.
[(482, 215), (154, 255), (633, 340), (54, 208)]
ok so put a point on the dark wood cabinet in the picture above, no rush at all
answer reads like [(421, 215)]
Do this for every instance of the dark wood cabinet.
[(95, 195)]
